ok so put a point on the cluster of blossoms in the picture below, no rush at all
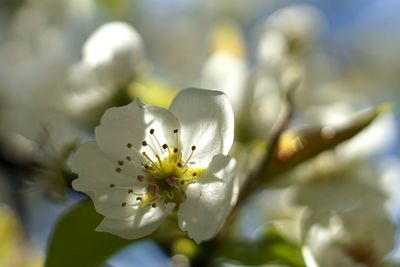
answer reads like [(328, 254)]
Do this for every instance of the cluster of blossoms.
[(147, 161)]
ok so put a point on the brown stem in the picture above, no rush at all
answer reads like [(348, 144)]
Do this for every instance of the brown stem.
[(252, 183)]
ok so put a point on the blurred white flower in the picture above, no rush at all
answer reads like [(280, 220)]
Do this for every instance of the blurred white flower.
[(226, 72), (323, 246), (283, 214), (114, 51), (355, 194), (289, 32), (146, 161), (226, 69), (111, 57)]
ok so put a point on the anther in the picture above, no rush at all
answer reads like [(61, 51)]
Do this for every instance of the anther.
[(144, 143), (165, 146), (130, 191), (147, 166), (112, 185), (139, 199), (128, 158), (129, 145), (176, 131), (118, 170), (153, 205), (153, 189), (120, 162), (179, 165), (123, 204), (140, 178), (193, 148), (176, 150), (151, 131), (194, 174)]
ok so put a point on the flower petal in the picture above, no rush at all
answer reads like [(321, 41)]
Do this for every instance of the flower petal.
[(207, 121), (142, 223), (96, 174), (122, 130), (210, 200)]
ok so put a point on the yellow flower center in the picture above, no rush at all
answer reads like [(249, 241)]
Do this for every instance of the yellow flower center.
[(165, 176)]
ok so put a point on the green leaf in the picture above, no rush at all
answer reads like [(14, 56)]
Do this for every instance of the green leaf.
[(74, 241), (297, 146), (272, 249)]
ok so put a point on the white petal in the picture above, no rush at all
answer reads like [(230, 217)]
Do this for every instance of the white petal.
[(96, 173), (131, 124), (207, 122), (210, 200), (142, 223)]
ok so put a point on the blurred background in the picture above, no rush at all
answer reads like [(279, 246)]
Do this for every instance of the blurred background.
[(61, 68)]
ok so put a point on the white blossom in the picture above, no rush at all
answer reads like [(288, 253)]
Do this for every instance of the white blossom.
[(355, 194), (114, 51), (147, 161)]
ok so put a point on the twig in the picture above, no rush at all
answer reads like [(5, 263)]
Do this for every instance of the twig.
[(251, 184)]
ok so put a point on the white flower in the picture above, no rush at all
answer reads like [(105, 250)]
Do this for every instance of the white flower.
[(356, 197), (226, 72), (146, 161), (114, 51), (289, 32), (226, 68), (324, 246)]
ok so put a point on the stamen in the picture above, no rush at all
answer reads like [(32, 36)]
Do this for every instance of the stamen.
[(130, 191), (191, 154), (158, 142), (144, 143), (176, 132), (120, 162), (129, 158), (151, 131), (123, 204), (147, 157), (118, 170), (179, 165), (129, 145), (140, 178), (154, 205), (112, 185), (159, 161)]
